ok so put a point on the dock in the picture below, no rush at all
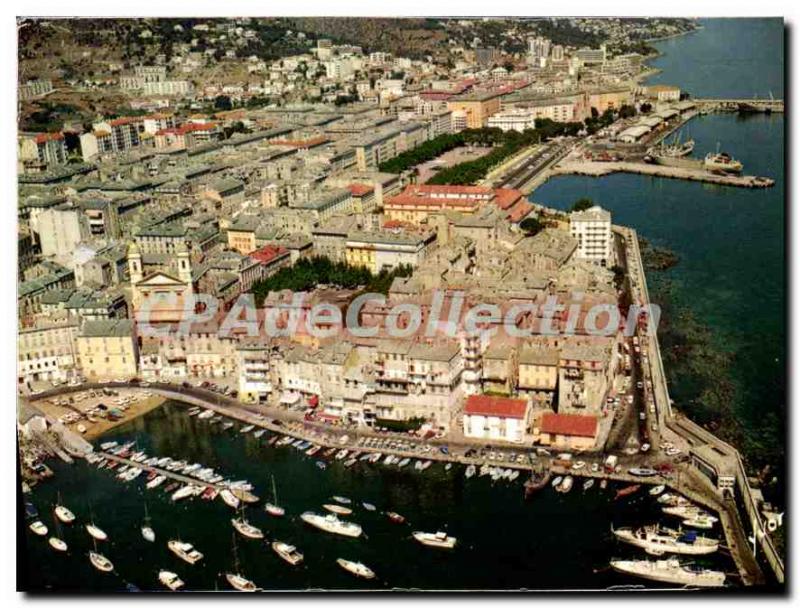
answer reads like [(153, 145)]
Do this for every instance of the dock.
[(169, 474), (599, 169)]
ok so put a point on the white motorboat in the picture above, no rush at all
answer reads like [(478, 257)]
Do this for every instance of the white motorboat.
[(557, 481), (368, 506), (170, 580), (64, 515), (656, 490), (206, 415), (435, 539), (246, 529), (183, 492), (470, 472), (148, 534), (338, 509), (342, 500), (566, 485), (185, 551), (101, 562), (57, 544), (356, 568), (701, 521), (39, 528), (670, 571), (688, 512), (96, 532), (657, 541), (229, 498), (155, 482), (240, 583), (331, 523), (247, 429), (287, 552)]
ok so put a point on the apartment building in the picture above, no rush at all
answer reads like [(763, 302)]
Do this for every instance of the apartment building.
[(592, 229), (496, 418), (46, 351), (385, 250), (107, 349)]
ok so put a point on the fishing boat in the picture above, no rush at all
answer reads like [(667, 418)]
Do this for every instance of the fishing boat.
[(147, 532), (185, 551), (272, 507), (101, 562), (440, 540), (356, 568), (170, 580), (229, 498), (670, 571), (39, 528), (656, 490), (96, 532), (722, 161), (287, 552), (627, 490), (588, 484), (368, 506), (338, 509), (395, 517), (656, 540), (342, 500), (537, 481), (331, 523), (57, 544), (246, 529)]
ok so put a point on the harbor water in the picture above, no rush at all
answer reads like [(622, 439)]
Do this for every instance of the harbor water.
[(552, 541)]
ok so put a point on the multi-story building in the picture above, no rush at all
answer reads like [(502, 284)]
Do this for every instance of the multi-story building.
[(477, 106), (496, 418), (35, 88), (592, 229), (524, 117), (60, 229), (107, 349), (46, 351), (378, 251), (45, 148)]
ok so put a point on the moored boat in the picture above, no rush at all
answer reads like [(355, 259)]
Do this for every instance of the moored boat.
[(229, 498), (627, 490), (96, 532), (338, 509), (470, 471), (657, 541), (185, 551), (246, 529), (331, 523), (101, 562), (240, 583), (439, 540), (395, 517), (39, 528), (670, 571), (64, 515), (287, 552), (656, 490), (170, 580), (57, 544), (356, 568)]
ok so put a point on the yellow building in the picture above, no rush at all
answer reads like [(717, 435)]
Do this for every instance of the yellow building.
[(377, 251), (107, 349), (477, 107), (610, 99), (538, 370)]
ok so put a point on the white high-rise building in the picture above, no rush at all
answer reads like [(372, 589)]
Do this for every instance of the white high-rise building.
[(592, 229), (538, 48)]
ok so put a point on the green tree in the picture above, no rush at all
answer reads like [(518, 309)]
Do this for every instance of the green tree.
[(582, 204), (531, 225)]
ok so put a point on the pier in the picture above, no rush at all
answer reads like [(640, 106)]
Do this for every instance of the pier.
[(599, 169)]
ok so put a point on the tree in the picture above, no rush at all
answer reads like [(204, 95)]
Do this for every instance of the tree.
[(222, 102), (531, 225), (582, 204), (619, 275), (645, 107), (627, 111)]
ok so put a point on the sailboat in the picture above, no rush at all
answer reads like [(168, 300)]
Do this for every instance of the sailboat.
[(55, 540), (147, 532), (100, 561), (64, 515), (245, 528), (236, 580), (272, 507), (93, 530)]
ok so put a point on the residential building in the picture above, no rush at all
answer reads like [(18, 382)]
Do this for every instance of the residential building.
[(108, 350), (496, 418), (592, 229)]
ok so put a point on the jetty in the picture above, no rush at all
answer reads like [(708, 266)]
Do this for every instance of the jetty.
[(599, 169)]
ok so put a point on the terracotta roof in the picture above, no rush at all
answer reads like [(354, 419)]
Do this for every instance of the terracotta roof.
[(267, 253), (444, 190), (506, 197), (45, 137), (360, 189), (569, 424), (427, 201), (503, 407)]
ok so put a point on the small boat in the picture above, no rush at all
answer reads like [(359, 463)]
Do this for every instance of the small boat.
[(656, 490), (240, 583), (626, 491), (259, 433), (703, 522), (229, 498), (96, 532), (272, 507), (342, 500), (656, 540), (537, 481), (171, 487), (439, 540), (101, 562), (670, 571), (356, 568), (64, 515), (227, 425), (148, 534), (395, 517), (39, 528), (642, 472), (448, 466), (185, 551), (339, 510), (313, 450), (321, 465), (247, 429), (403, 463), (603, 484), (205, 415), (566, 485), (170, 580), (155, 482), (557, 481), (57, 544), (184, 492), (108, 445), (288, 553), (246, 529), (244, 495), (588, 484), (368, 506)]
